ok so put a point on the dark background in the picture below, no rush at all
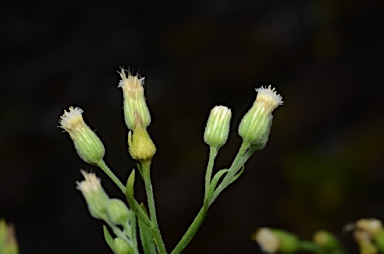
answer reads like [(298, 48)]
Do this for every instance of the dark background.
[(323, 167)]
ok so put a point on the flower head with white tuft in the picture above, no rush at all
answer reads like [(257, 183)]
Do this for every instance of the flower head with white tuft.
[(87, 143), (256, 124), (269, 97), (71, 119)]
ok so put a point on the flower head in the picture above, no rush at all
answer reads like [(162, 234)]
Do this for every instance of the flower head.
[(275, 240), (87, 143), (136, 111), (217, 129), (256, 124), (267, 240), (94, 195)]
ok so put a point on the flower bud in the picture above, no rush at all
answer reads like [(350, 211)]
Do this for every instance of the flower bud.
[(87, 144), (135, 107), (256, 124), (8, 241), (94, 195), (274, 240), (117, 211), (217, 129), (371, 226), (141, 146), (122, 247), (327, 242)]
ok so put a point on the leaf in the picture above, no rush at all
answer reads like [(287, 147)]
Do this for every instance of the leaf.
[(215, 180), (132, 201), (146, 236), (108, 238)]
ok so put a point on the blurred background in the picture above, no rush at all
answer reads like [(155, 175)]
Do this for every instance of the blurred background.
[(323, 167)]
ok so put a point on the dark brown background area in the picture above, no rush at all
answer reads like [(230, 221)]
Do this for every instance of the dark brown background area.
[(322, 168)]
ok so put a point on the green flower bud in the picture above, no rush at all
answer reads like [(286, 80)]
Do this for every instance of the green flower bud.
[(117, 211), (94, 195), (122, 247), (87, 144), (274, 240), (256, 124), (327, 242), (8, 242), (135, 106), (217, 129), (141, 146)]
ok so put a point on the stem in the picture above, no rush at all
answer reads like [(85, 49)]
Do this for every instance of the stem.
[(146, 165), (237, 163), (192, 230), (208, 174), (111, 175)]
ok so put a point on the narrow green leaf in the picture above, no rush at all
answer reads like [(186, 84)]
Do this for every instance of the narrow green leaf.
[(146, 236), (108, 238), (238, 174), (215, 180), (132, 201)]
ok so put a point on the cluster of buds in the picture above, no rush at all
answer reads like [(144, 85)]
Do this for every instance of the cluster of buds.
[(254, 127), (113, 211), (369, 235), (99, 204), (137, 117)]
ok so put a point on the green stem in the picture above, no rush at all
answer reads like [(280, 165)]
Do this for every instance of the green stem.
[(111, 175), (146, 165), (208, 174), (237, 163), (192, 230)]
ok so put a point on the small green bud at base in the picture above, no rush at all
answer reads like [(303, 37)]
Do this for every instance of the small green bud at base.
[(134, 101), (94, 195), (217, 129), (117, 211), (122, 247), (141, 146), (255, 126), (87, 144)]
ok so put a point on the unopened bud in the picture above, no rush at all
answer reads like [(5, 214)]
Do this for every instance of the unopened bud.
[(87, 144), (141, 146), (256, 124), (135, 106), (122, 247), (217, 129), (8, 241), (94, 195), (327, 241), (117, 211), (274, 240)]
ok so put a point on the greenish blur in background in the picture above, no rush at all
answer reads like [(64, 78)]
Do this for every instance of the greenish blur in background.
[(322, 168)]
